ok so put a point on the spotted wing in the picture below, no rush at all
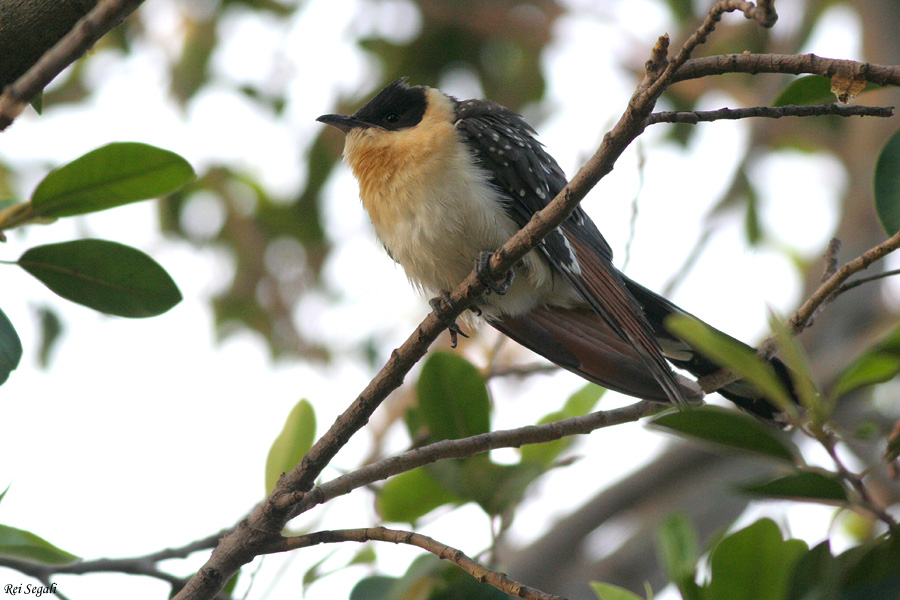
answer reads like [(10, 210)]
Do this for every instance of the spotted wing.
[(528, 179)]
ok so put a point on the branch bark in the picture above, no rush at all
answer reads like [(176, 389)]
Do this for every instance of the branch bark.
[(442, 551), (28, 28), (106, 15)]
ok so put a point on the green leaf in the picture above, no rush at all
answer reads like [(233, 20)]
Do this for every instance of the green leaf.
[(801, 373), (292, 444), (231, 584), (110, 176), (754, 563), (453, 397), (374, 587), (873, 569), (24, 545), (608, 591), (811, 89), (106, 276), (802, 485), (496, 488), (37, 103), (10, 348), (733, 355), (409, 496), (877, 364), (364, 556), (816, 576), (51, 328), (887, 185), (580, 403), (729, 428), (677, 543), (3, 494)]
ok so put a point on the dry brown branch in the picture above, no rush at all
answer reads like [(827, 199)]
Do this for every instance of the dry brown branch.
[(395, 536), (791, 64), (465, 447), (769, 112), (107, 15)]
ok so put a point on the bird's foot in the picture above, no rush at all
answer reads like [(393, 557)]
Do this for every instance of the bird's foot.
[(450, 322), (483, 270)]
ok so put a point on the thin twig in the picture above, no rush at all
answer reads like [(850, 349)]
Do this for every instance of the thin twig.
[(866, 500), (801, 319), (522, 370), (832, 255), (396, 536), (857, 282), (139, 565), (106, 15), (798, 322), (769, 112), (470, 446)]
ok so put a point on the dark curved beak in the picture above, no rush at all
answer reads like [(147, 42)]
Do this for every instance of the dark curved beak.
[(343, 122)]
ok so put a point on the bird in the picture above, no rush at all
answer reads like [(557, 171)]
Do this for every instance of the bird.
[(446, 182)]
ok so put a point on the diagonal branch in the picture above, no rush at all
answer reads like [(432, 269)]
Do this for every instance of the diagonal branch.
[(466, 447), (396, 536), (107, 15)]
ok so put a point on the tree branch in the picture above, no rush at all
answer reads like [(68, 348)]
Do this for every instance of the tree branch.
[(107, 15), (137, 565), (789, 64), (395, 536), (769, 112), (466, 447), (801, 319)]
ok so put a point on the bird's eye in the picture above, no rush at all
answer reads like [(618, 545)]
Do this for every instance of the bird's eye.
[(392, 117)]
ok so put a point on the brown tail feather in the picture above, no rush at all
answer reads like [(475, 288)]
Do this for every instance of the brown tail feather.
[(580, 340)]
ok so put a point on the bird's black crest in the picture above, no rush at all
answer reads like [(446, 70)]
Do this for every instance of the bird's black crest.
[(398, 106)]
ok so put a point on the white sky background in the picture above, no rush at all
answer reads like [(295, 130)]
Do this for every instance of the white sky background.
[(146, 434)]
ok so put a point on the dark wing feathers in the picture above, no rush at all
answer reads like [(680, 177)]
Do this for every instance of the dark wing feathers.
[(577, 340), (528, 178)]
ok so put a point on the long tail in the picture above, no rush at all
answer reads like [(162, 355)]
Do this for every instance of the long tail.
[(579, 340), (657, 309)]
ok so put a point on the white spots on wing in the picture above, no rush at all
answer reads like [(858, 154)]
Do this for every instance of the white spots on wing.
[(540, 193), (571, 265), (522, 192)]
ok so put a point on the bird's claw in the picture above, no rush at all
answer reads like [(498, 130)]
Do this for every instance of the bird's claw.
[(483, 270), (450, 322)]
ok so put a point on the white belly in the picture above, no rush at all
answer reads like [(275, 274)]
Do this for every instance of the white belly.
[(444, 231)]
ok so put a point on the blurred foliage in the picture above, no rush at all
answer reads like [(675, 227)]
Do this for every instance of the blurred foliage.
[(498, 41)]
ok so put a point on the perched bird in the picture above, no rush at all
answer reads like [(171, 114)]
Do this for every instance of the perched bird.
[(445, 182)]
